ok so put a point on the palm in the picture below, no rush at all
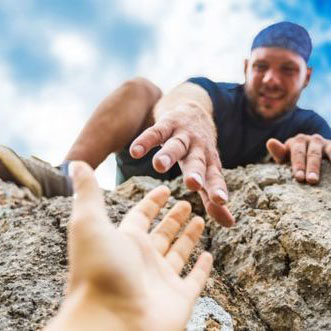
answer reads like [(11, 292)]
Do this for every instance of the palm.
[(140, 269)]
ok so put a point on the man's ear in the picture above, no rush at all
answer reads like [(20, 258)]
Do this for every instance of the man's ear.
[(308, 75), (245, 66)]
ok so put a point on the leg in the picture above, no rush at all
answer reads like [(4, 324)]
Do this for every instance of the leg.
[(116, 121)]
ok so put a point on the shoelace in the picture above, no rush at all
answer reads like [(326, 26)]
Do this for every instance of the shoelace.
[(45, 166)]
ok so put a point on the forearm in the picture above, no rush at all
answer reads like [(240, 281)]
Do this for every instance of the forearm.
[(185, 97), (192, 103), (115, 122)]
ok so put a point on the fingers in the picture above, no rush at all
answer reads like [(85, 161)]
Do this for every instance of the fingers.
[(164, 234), (314, 159), (298, 147), (207, 178), (215, 185), (220, 213), (278, 150), (87, 194), (172, 151), (88, 206), (197, 278), (182, 248), (193, 167), (306, 156), (327, 149), (142, 215), (89, 227), (151, 137)]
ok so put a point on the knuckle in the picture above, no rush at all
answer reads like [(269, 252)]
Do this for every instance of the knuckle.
[(316, 138), (200, 159), (298, 151), (215, 160), (191, 237), (215, 173), (160, 131), (316, 135), (196, 157), (300, 137), (213, 154), (182, 141), (315, 153)]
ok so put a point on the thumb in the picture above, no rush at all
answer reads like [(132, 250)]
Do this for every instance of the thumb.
[(89, 229), (278, 150), (88, 199)]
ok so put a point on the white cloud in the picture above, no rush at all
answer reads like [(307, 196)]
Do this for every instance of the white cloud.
[(146, 11), (49, 120), (73, 51), (209, 42)]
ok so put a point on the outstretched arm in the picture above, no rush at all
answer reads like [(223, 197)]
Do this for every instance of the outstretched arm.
[(185, 129), (126, 278), (115, 122)]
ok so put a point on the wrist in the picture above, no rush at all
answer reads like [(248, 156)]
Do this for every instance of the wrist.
[(88, 310)]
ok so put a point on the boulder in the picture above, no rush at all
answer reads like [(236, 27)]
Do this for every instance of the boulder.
[(271, 271)]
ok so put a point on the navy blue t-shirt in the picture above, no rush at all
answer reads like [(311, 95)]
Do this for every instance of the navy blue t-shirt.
[(242, 136)]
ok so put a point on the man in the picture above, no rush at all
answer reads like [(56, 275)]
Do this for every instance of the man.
[(203, 125), (126, 278)]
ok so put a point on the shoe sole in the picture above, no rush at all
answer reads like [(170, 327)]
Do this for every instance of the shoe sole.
[(16, 167)]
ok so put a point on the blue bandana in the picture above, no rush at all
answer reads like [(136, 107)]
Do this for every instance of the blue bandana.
[(286, 35)]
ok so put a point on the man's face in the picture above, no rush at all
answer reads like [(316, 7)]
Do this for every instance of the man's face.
[(275, 78)]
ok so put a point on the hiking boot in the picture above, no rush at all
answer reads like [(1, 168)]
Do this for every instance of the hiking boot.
[(37, 175)]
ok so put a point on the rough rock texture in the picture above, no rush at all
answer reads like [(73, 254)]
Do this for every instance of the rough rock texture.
[(280, 251), (272, 271)]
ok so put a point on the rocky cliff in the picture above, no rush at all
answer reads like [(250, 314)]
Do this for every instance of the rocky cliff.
[(271, 271)]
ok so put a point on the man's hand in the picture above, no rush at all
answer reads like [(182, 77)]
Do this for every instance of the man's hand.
[(188, 136), (305, 153), (126, 278)]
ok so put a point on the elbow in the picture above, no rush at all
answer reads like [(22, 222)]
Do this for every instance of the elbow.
[(142, 87)]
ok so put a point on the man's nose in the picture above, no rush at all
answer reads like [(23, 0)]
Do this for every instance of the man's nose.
[(271, 78)]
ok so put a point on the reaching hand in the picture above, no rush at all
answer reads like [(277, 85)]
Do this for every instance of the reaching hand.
[(126, 278), (188, 137), (305, 153)]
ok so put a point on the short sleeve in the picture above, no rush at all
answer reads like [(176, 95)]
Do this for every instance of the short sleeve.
[(211, 88)]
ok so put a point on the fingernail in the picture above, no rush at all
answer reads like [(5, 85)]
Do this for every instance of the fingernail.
[(300, 174), (313, 176), (138, 150), (197, 178), (165, 161), (222, 195)]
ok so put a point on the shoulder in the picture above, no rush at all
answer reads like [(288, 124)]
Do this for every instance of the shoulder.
[(221, 93), (219, 86)]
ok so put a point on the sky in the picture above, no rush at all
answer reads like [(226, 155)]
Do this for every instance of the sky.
[(59, 59)]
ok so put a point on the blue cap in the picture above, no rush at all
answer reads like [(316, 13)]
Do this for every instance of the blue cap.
[(286, 35)]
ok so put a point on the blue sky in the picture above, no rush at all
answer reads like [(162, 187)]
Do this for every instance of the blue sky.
[(58, 59)]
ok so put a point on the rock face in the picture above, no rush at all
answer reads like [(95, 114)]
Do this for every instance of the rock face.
[(272, 271)]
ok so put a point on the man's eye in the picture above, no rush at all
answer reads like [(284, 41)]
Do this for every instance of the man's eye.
[(260, 67), (289, 70)]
